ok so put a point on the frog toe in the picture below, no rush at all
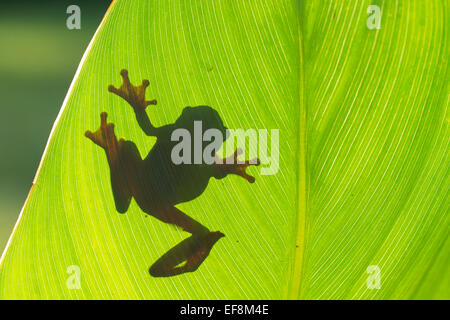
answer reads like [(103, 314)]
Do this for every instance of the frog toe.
[(134, 95)]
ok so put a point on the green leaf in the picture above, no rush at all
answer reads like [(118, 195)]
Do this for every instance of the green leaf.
[(363, 175)]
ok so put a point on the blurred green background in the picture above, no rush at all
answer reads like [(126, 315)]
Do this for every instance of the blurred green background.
[(38, 59)]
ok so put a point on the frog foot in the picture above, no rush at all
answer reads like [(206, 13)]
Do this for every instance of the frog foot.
[(104, 136), (187, 256), (231, 165), (134, 95), (206, 242)]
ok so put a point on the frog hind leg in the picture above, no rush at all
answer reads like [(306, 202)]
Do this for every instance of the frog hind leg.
[(186, 256), (190, 253), (124, 162), (175, 216)]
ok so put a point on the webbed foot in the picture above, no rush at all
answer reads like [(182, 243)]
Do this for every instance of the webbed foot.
[(104, 136), (186, 256), (232, 165), (134, 95)]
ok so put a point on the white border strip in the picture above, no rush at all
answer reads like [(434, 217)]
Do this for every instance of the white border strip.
[(66, 99)]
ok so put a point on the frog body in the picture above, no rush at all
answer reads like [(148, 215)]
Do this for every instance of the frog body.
[(157, 183)]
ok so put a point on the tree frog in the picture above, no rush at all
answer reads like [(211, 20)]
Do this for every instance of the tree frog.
[(156, 183)]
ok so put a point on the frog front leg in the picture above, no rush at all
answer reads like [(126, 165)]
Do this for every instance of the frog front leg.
[(231, 165), (135, 96), (124, 161)]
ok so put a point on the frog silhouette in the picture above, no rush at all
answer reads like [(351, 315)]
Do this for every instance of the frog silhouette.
[(158, 184)]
